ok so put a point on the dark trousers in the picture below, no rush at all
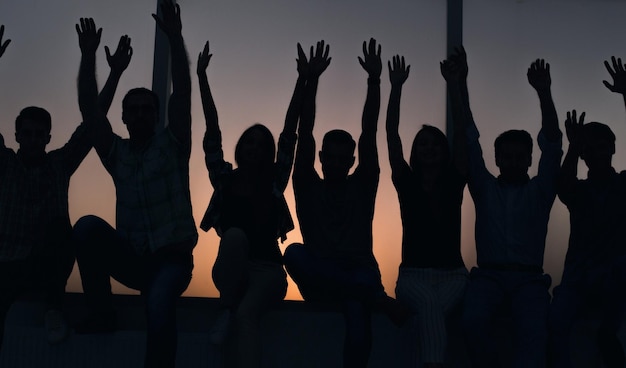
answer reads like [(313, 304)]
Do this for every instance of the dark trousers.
[(522, 295), (47, 270), (355, 287), (601, 288), (102, 253)]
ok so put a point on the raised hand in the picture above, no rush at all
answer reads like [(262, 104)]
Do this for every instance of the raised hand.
[(170, 24), (618, 73), (398, 70), (203, 60), (118, 62), (539, 75), (573, 128), (3, 45), (455, 66), (88, 35), (318, 61), (371, 61)]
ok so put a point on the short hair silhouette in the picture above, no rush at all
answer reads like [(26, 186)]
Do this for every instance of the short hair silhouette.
[(439, 137), (339, 136), (140, 91), (513, 136), (269, 145), (34, 113), (596, 130)]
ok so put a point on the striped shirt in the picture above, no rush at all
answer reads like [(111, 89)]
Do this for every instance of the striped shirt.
[(153, 207), (31, 198)]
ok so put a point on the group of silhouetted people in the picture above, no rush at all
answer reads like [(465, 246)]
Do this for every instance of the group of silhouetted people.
[(150, 249)]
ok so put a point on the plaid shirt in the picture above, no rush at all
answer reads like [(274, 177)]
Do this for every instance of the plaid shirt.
[(153, 201), (31, 198)]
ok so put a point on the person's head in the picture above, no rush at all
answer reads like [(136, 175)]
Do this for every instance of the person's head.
[(140, 112), (337, 154), (256, 147), (514, 149), (598, 145), (32, 130), (430, 149)]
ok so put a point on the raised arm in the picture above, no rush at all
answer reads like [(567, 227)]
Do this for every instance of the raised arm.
[(618, 74), (398, 74), (3, 47), (89, 40), (118, 62), (539, 78), (179, 107), (371, 62), (569, 168), (318, 62)]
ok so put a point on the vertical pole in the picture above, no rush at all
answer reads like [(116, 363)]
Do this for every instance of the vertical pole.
[(161, 75), (454, 39)]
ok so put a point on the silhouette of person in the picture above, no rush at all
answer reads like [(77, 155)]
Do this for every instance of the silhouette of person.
[(249, 212), (36, 250), (432, 275), (595, 265), (512, 212), (151, 248), (336, 262)]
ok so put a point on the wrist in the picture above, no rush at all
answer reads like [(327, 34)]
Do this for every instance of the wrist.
[(373, 80)]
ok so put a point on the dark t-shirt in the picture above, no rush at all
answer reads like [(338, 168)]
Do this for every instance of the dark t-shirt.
[(431, 222)]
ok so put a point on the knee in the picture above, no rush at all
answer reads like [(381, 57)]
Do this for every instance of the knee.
[(87, 225), (294, 254)]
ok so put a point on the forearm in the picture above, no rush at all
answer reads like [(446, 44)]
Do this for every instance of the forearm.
[(209, 109), (549, 117), (87, 87), (459, 145), (105, 98), (181, 80), (295, 107), (394, 143), (568, 174)]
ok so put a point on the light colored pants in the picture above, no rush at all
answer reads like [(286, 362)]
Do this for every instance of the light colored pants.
[(431, 293), (249, 288)]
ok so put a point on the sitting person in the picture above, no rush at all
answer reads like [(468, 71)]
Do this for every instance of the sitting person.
[(512, 212), (249, 212), (336, 262), (595, 265), (432, 275)]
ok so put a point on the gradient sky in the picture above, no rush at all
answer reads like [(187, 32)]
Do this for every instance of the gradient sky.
[(253, 71)]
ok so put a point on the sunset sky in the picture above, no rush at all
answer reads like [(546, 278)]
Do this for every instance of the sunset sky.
[(253, 71)]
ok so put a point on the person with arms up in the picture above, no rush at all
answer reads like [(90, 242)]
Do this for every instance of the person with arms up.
[(151, 248), (512, 212), (432, 276), (36, 250), (249, 212), (336, 262), (594, 274)]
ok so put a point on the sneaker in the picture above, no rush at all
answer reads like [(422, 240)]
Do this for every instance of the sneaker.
[(220, 328), (56, 326), (101, 322)]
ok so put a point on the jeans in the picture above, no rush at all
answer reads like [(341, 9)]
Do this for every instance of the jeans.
[(522, 295), (161, 278), (354, 286)]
